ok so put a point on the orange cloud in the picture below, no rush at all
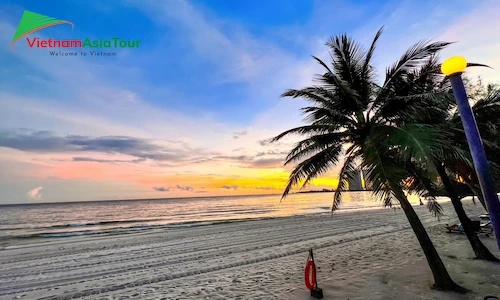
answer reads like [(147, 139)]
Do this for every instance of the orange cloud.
[(229, 179)]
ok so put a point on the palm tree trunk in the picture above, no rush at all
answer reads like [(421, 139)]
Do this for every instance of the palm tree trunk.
[(479, 248), (479, 195), (442, 279)]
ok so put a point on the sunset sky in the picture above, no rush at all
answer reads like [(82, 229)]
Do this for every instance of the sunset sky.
[(190, 112)]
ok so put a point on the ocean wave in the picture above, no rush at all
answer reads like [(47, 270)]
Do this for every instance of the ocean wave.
[(75, 233), (346, 208), (321, 208), (102, 223), (79, 225), (121, 230), (78, 229), (110, 227)]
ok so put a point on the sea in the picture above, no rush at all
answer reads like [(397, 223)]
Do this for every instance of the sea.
[(26, 222)]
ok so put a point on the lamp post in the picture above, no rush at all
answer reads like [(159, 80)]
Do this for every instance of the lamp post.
[(453, 68)]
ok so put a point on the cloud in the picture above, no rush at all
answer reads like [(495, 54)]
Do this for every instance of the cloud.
[(185, 188), (238, 55), (475, 34), (268, 163), (266, 188), (267, 142), (264, 142), (228, 187), (161, 189), (111, 161), (281, 153), (142, 149), (239, 134), (45, 142), (35, 193), (232, 157)]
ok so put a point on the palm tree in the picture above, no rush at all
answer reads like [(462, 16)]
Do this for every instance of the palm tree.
[(485, 109), (480, 250), (423, 180), (350, 109), (429, 80)]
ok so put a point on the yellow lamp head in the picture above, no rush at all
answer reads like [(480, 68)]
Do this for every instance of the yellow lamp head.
[(453, 65)]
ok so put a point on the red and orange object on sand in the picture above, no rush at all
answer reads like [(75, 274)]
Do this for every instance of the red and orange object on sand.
[(310, 277)]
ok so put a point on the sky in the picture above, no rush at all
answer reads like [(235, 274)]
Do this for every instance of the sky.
[(189, 113)]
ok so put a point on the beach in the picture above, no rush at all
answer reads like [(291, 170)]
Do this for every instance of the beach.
[(360, 254)]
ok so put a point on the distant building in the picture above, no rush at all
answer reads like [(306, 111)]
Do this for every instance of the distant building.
[(356, 182), (367, 185)]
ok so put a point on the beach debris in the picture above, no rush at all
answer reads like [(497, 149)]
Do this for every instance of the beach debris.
[(310, 277)]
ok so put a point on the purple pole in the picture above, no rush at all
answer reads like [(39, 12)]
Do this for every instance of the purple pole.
[(478, 155)]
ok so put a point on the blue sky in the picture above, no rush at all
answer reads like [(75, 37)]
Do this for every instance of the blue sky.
[(206, 78)]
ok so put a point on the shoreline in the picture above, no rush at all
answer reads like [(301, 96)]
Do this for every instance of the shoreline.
[(361, 253)]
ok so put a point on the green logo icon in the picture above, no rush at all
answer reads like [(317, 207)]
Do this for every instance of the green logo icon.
[(32, 22)]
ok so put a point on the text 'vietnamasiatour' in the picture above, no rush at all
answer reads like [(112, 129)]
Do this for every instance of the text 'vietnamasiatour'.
[(87, 43)]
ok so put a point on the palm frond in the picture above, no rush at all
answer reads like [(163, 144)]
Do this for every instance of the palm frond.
[(351, 66), (491, 101), (421, 180), (346, 98), (314, 144), (302, 130), (344, 175), (367, 87), (413, 141), (415, 94), (321, 115), (347, 57), (413, 58), (313, 167), (423, 184), (434, 207), (369, 54), (421, 107), (323, 64), (382, 170), (315, 94), (453, 153)]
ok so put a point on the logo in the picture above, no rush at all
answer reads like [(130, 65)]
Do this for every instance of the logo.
[(32, 22)]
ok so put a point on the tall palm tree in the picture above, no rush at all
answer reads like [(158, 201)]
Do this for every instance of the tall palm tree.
[(423, 180), (428, 80), (485, 110), (480, 250), (350, 109)]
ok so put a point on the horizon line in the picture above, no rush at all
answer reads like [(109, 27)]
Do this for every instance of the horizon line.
[(168, 198)]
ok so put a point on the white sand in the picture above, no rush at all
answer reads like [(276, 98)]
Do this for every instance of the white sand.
[(360, 255)]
